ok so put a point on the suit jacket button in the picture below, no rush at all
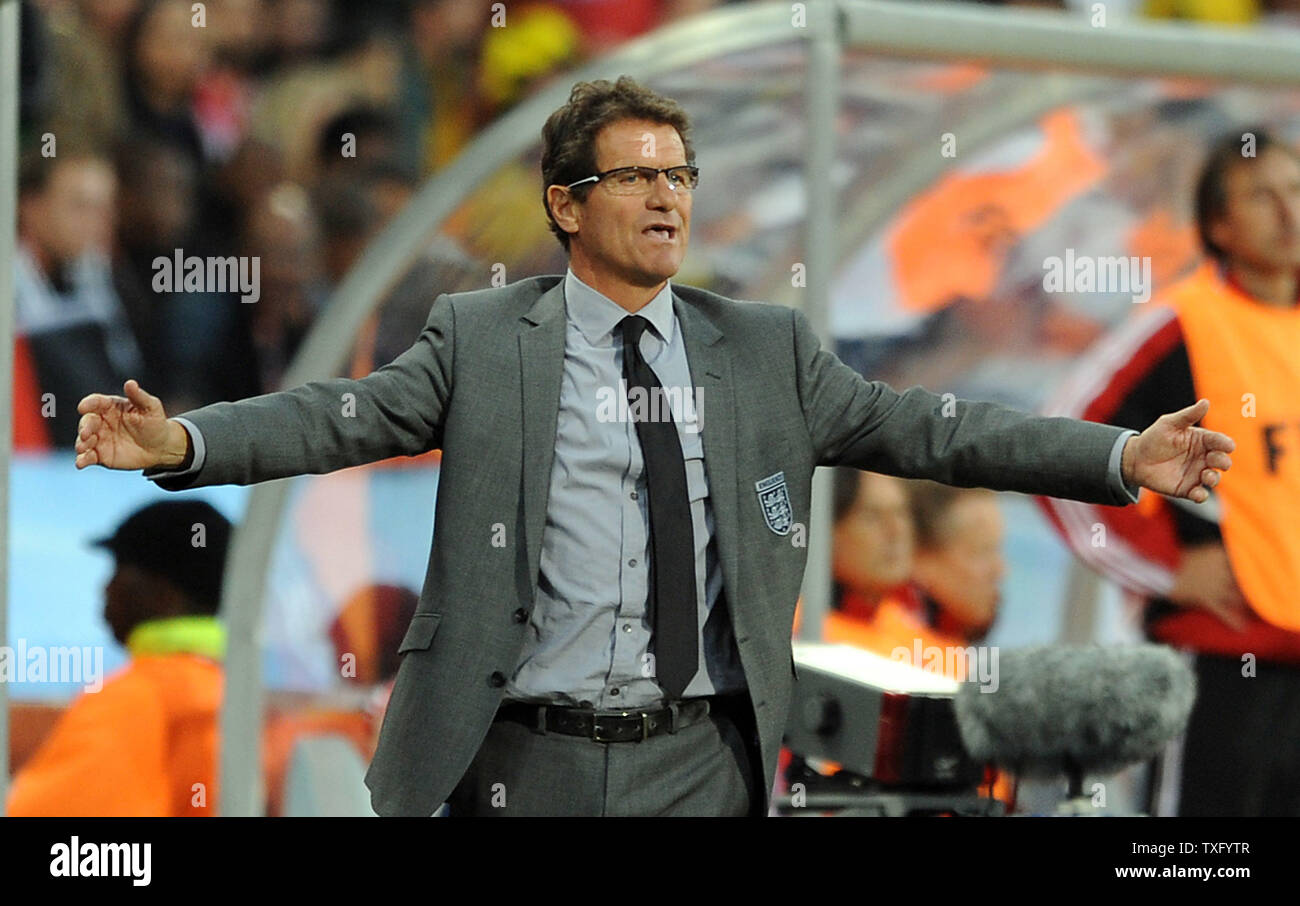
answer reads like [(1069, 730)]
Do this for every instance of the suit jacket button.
[(497, 679), (521, 615)]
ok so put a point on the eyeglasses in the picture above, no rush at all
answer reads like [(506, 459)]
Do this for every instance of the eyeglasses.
[(638, 180)]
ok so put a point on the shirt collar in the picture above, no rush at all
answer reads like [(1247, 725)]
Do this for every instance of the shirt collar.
[(596, 315), (191, 634)]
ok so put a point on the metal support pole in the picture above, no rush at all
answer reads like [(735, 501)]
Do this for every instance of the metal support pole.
[(821, 87), (8, 245)]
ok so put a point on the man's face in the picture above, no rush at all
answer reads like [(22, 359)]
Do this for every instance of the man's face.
[(1260, 225), (134, 595), (964, 570), (612, 237), (76, 212), (873, 542)]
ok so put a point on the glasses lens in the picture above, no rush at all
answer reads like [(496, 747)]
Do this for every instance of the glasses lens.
[(684, 178), (630, 180)]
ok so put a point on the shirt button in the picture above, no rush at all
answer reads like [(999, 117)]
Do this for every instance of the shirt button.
[(521, 615), (631, 563), (497, 679), (627, 627), (613, 691), (632, 495)]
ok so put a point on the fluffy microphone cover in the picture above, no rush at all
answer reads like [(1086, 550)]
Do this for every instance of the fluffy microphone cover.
[(1092, 708)]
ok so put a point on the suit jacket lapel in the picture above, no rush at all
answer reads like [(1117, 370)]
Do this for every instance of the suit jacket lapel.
[(541, 366), (710, 365)]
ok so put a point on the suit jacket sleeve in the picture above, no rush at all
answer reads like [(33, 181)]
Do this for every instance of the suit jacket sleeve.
[(331, 424), (919, 434)]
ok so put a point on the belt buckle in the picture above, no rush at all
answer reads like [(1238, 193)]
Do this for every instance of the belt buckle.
[(645, 727), (595, 730)]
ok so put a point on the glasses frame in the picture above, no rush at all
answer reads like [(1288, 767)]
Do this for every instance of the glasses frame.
[(694, 171)]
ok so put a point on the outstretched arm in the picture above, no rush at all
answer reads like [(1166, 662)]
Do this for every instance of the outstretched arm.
[(919, 434), (319, 427)]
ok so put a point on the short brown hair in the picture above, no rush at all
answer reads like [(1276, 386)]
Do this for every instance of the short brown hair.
[(569, 136), (931, 501), (1211, 189)]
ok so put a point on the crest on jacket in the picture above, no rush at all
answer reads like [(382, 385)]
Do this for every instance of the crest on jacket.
[(774, 498)]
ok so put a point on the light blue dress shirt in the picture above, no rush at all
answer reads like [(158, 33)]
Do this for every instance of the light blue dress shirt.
[(589, 635)]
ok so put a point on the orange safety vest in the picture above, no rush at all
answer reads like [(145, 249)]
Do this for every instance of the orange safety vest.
[(1245, 359), (893, 623), (145, 745)]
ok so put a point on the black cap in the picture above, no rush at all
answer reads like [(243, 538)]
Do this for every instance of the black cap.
[(160, 539)]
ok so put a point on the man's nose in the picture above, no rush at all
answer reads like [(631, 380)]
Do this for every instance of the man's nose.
[(662, 194)]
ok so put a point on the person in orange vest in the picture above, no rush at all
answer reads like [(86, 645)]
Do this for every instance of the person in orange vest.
[(873, 605), (1218, 580), (145, 744), (872, 552)]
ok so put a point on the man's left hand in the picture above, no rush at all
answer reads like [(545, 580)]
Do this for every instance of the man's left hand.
[(1176, 458)]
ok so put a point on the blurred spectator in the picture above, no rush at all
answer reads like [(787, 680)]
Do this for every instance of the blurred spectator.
[(165, 58), (146, 743), (67, 311), (442, 110), (283, 233), (873, 606), (234, 188), (296, 103), (349, 219), (237, 38), (497, 220), (959, 564), (356, 138), (540, 42), (1218, 579), (196, 343), (872, 556), (85, 100)]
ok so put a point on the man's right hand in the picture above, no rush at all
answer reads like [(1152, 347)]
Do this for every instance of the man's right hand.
[(1204, 580), (128, 432)]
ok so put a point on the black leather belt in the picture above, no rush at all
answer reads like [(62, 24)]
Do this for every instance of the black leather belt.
[(609, 726)]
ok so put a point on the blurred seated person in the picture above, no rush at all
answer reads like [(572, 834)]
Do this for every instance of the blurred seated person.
[(873, 605), (959, 565), (366, 634), (145, 744), (67, 312), (916, 564)]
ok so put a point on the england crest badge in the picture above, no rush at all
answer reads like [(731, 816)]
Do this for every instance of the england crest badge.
[(774, 498)]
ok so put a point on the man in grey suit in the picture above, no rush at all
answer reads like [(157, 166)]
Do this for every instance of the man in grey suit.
[(605, 624)]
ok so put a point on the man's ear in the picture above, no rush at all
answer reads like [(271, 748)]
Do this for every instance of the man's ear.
[(564, 208)]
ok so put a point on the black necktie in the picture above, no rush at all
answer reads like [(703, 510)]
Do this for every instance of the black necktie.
[(672, 538)]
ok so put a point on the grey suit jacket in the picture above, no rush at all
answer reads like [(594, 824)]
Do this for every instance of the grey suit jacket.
[(482, 382)]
